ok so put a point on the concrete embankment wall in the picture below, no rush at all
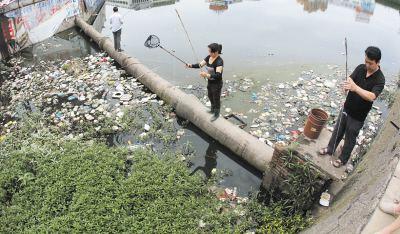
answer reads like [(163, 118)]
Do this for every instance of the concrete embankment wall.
[(353, 206)]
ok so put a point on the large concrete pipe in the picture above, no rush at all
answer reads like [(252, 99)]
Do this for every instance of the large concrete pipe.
[(246, 146)]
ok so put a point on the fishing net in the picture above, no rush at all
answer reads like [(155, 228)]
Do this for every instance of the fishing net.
[(152, 42)]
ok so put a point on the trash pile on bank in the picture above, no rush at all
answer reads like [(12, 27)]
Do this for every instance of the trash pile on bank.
[(78, 92)]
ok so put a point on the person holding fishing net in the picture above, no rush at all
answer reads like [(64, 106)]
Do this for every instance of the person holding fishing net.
[(363, 86), (214, 69)]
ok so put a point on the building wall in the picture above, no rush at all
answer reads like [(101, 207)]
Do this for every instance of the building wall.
[(34, 23)]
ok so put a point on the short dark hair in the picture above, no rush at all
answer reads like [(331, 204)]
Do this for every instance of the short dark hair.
[(373, 53), (215, 47), (115, 9)]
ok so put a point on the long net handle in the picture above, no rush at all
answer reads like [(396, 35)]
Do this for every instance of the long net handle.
[(172, 54)]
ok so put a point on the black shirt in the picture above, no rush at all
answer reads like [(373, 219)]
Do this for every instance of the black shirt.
[(212, 69), (355, 105)]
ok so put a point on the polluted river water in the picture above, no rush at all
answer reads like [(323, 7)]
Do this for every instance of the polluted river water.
[(261, 47), (265, 39), (267, 44)]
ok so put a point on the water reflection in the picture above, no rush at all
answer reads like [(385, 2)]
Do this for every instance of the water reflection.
[(318, 45), (364, 8), (141, 4), (209, 154), (210, 160), (314, 5), (221, 5)]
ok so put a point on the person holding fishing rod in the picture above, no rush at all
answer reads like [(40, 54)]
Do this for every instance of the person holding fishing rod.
[(116, 28), (364, 85), (214, 65)]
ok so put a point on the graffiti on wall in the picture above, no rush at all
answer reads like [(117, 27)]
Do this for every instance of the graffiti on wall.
[(5, 3), (34, 23)]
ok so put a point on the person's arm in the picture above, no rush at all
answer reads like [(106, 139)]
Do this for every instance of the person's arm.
[(364, 94), (349, 85), (392, 227), (120, 20), (197, 65)]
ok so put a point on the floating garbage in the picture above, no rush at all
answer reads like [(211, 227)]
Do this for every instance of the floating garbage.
[(228, 194), (115, 128), (214, 171), (253, 97), (126, 97), (117, 95), (202, 224), (67, 93), (59, 115), (72, 98)]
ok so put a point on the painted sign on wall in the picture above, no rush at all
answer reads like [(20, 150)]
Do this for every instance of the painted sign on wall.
[(5, 3), (36, 22)]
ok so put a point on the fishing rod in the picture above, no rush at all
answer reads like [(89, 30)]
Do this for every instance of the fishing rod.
[(342, 108), (188, 38)]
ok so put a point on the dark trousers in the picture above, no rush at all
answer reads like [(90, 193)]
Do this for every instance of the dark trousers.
[(117, 39), (350, 128), (214, 94)]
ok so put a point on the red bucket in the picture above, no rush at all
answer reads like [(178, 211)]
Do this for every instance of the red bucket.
[(315, 123)]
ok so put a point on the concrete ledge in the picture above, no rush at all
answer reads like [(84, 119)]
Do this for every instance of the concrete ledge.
[(397, 172), (354, 207), (380, 219)]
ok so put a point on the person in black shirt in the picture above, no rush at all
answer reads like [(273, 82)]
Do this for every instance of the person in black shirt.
[(214, 65), (364, 85)]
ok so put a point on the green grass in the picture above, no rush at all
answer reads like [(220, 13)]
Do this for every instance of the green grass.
[(51, 184)]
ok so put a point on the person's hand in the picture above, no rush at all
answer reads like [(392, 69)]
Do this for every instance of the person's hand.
[(188, 65), (397, 209), (204, 74), (383, 231), (349, 85)]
